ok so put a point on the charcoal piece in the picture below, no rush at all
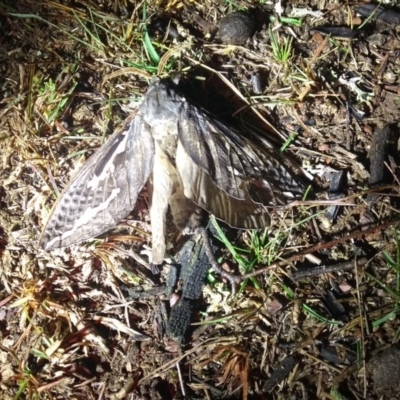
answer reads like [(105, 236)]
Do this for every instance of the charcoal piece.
[(340, 32), (335, 308), (378, 153), (337, 182), (195, 272), (280, 373), (388, 15), (329, 353), (257, 82), (172, 279), (236, 28), (335, 192), (359, 115), (192, 265), (383, 145), (180, 319)]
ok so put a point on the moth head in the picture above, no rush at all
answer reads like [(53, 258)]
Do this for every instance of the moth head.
[(162, 104)]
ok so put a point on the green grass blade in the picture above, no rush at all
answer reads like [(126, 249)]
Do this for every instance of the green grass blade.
[(151, 51)]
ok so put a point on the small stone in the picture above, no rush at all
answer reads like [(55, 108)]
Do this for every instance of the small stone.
[(236, 28), (377, 39)]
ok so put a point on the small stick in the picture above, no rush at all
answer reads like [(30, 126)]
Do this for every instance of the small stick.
[(315, 271), (178, 368), (233, 279)]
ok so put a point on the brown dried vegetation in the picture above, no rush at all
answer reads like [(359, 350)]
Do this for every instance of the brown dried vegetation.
[(69, 72)]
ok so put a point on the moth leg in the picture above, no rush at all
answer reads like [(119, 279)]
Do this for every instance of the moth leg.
[(187, 215), (162, 187)]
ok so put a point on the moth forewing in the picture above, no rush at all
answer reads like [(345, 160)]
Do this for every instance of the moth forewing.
[(104, 191)]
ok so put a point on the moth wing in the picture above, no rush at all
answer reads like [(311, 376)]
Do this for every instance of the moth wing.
[(237, 165), (200, 188), (104, 191)]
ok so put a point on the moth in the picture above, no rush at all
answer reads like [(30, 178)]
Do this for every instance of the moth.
[(192, 162)]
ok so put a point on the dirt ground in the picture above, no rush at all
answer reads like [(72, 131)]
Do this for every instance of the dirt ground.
[(317, 316)]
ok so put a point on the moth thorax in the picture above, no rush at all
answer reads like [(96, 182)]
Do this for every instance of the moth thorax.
[(168, 144), (163, 130)]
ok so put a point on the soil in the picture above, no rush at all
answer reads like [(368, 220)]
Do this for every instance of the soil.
[(72, 73)]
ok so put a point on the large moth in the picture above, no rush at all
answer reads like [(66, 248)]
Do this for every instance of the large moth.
[(192, 161)]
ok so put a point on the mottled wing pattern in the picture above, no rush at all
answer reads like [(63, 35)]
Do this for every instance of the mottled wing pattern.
[(199, 187), (240, 167), (104, 191)]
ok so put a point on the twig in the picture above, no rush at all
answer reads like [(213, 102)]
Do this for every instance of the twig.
[(362, 322), (205, 385), (178, 368), (233, 279), (323, 269)]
